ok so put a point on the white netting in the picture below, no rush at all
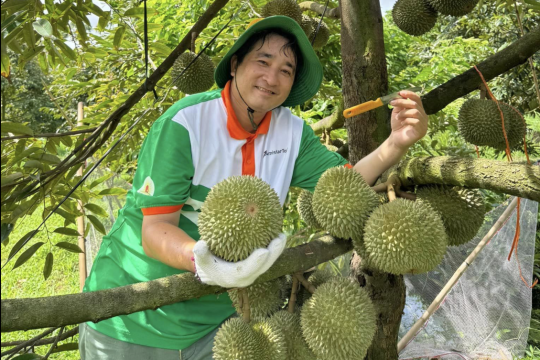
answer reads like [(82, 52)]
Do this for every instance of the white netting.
[(487, 313)]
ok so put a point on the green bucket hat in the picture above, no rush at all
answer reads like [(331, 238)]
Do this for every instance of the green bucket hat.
[(309, 78)]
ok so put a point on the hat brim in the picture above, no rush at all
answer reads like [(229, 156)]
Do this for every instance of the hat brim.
[(309, 78)]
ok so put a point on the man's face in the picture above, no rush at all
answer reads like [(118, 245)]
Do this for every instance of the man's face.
[(266, 75)]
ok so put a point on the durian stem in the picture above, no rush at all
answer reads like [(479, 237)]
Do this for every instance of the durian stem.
[(294, 290), (450, 284), (393, 184), (309, 286), (380, 187), (246, 312), (193, 38), (405, 195)]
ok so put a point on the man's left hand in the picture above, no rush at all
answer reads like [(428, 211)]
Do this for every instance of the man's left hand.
[(409, 120)]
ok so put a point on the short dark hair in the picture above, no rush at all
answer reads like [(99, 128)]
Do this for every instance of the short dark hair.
[(291, 45)]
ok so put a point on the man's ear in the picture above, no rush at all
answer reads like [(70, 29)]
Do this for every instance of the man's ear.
[(234, 64)]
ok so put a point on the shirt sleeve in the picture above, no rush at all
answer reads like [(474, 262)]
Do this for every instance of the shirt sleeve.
[(313, 160), (165, 168)]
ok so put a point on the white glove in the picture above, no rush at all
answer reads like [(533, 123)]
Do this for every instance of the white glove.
[(212, 270)]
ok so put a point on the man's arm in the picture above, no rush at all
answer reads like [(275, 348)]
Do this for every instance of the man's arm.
[(163, 240), (409, 124)]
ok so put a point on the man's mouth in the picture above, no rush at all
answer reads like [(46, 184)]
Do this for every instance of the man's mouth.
[(265, 90)]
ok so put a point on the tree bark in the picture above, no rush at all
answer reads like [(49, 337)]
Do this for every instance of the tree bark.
[(55, 311), (364, 74), (365, 78), (503, 177)]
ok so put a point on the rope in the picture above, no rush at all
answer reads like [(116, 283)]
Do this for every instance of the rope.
[(319, 24), (146, 53)]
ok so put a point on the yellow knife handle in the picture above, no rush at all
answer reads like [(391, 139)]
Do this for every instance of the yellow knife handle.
[(362, 108)]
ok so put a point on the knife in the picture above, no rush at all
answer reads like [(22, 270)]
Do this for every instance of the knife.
[(373, 104)]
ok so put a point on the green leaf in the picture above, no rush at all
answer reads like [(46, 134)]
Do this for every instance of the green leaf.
[(19, 244), (30, 54), (33, 164), (27, 254), (43, 27), (81, 29), (69, 217), (69, 247), (48, 158), (139, 12), (66, 231), (96, 209), (160, 48), (103, 22), (47, 268), (113, 191), (6, 66), (100, 180), (16, 128), (66, 50), (11, 178), (118, 37), (97, 224), (16, 17), (6, 230), (14, 5)]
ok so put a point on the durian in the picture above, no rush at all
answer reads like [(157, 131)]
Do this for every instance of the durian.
[(264, 299), (338, 322), (199, 76), (415, 17), (305, 209), (453, 7), (323, 35), (305, 24), (316, 279), (480, 124), (342, 202), (271, 340), (283, 7), (405, 236), (289, 325), (236, 340), (462, 210), (239, 215)]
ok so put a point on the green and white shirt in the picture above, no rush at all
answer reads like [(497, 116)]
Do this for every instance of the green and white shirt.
[(194, 145)]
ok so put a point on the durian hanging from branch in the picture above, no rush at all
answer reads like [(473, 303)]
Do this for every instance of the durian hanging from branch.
[(199, 77)]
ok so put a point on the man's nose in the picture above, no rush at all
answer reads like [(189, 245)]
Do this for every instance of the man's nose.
[(271, 76)]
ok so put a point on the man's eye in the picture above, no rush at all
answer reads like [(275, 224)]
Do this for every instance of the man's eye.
[(262, 62), (287, 72)]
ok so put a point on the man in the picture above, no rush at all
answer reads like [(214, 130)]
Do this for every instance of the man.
[(242, 129)]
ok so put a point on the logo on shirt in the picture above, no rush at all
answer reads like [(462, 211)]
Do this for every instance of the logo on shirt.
[(274, 152), (147, 188)]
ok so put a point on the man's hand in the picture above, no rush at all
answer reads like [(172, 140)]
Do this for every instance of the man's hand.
[(409, 120), (212, 270)]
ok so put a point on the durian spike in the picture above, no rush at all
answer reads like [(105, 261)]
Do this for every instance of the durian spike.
[(294, 290), (246, 312), (305, 283)]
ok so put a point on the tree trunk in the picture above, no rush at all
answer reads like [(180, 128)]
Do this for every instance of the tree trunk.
[(365, 78)]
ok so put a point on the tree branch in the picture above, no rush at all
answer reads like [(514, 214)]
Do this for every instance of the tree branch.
[(515, 54), (510, 178), (37, 313), (46, 341), (332, 122), (49, 135), (319, 9)]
